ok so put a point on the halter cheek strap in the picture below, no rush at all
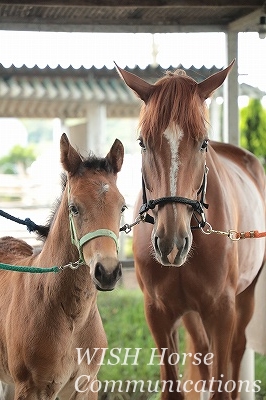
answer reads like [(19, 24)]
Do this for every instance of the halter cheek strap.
[(197, 205)]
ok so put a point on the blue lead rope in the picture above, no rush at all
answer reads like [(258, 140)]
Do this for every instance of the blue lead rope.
[(31, 226)]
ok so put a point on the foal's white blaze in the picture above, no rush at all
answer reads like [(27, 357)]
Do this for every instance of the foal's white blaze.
[(105, 188)]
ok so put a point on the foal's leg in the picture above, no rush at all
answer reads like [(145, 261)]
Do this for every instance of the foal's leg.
[(163, 328)]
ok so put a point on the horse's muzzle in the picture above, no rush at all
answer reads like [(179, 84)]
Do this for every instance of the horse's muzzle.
[(171, 254), (104, 278)]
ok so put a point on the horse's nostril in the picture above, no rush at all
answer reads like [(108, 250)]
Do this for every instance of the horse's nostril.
[(118, 271), (186, 244), (99, 271), (156, 243)]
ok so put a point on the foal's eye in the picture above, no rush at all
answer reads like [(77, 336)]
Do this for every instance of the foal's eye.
[(73, 209), (204, 145), (123, 208)]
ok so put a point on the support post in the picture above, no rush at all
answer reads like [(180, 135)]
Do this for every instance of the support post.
[(247, 373), (96, 127), (78, 138), (231, 113)]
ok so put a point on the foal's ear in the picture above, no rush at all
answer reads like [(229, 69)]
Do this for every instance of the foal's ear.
[(116, 156), (70, 158), (142, 88), (209, 85)]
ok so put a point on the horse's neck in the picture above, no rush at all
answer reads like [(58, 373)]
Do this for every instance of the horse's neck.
[(58, 251)]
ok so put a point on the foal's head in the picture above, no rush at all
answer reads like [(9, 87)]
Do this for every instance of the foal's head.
[(95, 207), (173, 138)]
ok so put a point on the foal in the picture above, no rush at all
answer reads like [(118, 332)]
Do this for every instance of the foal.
[(45, 317)]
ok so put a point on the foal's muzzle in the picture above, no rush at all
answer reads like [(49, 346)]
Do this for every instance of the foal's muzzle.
[(104, 279)]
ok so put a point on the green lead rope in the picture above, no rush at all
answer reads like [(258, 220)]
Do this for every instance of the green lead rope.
[(33, 270)]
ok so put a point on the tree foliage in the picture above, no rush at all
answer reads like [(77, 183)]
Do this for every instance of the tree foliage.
[(253, 129), (39, 130), (17, 160)]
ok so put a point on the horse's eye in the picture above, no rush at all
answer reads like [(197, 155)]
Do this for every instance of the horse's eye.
[(204, 145), (141, 143), (123, 208), (73, 209)]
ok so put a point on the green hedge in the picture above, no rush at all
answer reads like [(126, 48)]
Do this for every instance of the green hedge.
[(124, 322)]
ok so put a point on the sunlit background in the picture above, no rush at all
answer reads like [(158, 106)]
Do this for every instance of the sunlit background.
[(128, 49), (99, 50)]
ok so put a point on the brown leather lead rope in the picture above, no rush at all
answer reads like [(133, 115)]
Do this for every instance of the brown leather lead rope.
[(250, 235), (232, 234)]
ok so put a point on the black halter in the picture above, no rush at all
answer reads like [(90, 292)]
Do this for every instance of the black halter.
[(197, 205)]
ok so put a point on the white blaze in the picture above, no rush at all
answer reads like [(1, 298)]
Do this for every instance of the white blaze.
[(173, 139)]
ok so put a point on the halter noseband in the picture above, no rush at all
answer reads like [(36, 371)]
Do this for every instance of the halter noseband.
[(197, 205), (79, 243)]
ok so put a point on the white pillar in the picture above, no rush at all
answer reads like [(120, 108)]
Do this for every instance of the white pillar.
[(78, 138), (215, 120), (256, 329), (96, 126), (247, 373), (57, 131), (231, 113)]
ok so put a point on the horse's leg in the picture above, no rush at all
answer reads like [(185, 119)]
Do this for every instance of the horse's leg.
[(163, 327), (197, 342), (83, 395), (32, 393), (219, 323), (244, 309)]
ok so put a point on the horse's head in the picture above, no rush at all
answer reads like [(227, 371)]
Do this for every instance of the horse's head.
[(95, 207), (173, 138)]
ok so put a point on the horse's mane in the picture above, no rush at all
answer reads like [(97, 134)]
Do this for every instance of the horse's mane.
[(174, 101), (91, 162)]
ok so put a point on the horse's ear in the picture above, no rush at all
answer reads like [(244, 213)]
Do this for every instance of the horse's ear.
[(209, 85), (116, 156), (142, 88), (70, 158)]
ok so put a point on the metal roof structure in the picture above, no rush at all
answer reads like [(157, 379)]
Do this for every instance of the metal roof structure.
[(152, 16), (131, 15), (67, 93)]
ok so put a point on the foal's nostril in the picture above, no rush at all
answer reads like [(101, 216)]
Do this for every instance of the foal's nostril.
[(118, 271), (99, 271)]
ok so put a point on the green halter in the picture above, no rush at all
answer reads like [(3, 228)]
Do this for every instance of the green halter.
[(79, 243)]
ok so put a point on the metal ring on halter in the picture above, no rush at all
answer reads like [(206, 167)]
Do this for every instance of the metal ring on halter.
[(207, 229)]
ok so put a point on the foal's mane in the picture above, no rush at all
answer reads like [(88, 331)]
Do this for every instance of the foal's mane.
[(174, 102), (91, 163)]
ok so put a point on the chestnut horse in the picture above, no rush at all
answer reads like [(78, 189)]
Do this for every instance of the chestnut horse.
[(208, 280), (45, 317)]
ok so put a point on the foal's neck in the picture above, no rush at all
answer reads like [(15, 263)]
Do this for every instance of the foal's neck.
[(58, 249), (73, 289)]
